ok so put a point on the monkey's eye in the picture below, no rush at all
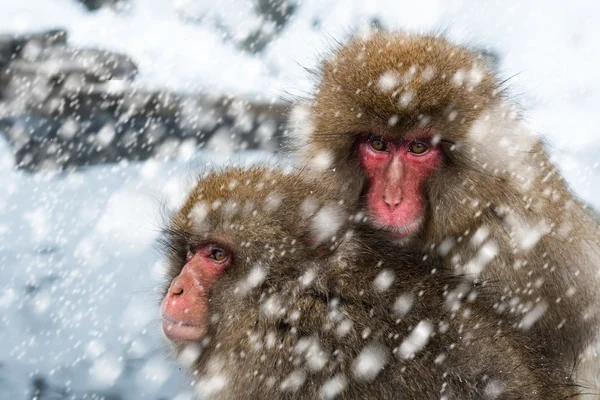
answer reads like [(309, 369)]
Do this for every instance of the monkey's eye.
[(378, 144), (418, 148), (219, 255)]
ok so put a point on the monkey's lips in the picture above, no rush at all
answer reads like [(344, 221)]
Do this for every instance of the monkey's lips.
[(182, 331), (399, 232)]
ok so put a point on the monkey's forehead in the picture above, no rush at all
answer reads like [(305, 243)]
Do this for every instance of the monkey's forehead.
[(408, 79), (254, 184), (252, 194)]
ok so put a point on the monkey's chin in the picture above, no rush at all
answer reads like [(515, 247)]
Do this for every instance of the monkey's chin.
[(182, 331), (402, 233)]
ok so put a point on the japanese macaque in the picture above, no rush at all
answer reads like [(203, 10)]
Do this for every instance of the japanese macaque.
[(270, 294), (423, 131)]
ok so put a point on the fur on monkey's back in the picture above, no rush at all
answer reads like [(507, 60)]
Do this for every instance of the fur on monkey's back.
[(286, 332)]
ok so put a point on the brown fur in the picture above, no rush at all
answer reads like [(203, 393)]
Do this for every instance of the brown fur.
[(495, 175), (288, 326)]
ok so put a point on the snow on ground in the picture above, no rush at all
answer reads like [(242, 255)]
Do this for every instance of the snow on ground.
[(78, 301)]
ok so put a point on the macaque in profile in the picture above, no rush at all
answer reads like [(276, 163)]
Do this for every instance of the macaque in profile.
[(423, 133), (272, 294)]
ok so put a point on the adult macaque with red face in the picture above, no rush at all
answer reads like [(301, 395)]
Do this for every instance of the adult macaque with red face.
[(270, 295), (422, 131)]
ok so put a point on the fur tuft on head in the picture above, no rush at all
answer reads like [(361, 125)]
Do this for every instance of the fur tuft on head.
[(392, 83)]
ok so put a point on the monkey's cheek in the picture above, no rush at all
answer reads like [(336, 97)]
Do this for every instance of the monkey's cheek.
[(182, 331)]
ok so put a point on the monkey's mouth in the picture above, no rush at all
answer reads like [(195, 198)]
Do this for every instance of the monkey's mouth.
[(399, 231), (182, 331)]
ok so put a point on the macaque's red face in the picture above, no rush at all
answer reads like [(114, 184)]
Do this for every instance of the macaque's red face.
[(184, 309), (397, 171)]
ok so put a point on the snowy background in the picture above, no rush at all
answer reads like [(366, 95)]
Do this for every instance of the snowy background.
[(78, 270)]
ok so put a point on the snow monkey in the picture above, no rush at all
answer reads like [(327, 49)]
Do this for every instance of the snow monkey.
[(271, 294), (424, 132)]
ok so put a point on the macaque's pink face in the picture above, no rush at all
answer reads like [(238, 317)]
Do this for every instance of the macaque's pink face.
[(184, 310), (397, 171)]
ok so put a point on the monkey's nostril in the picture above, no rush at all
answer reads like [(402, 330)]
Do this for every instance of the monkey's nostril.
[(392, 203), (177, 292)]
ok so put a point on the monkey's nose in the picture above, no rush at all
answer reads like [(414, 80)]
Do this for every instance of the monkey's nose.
[(392, 202), (176, 288)]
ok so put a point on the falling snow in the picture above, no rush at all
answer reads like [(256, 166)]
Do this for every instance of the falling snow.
[(293, 382), (333, 387), (417, 339), (403, 304), (388, 81), (80, 276), (533, 315), (370, 362), (326, 222), (384, 280)]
